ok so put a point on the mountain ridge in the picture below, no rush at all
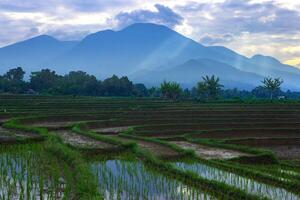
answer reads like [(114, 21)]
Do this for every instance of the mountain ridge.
[(139, 47)]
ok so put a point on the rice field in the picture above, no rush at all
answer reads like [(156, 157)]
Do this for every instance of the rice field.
[(28, 172), (119, 179), (249, 185), (54, 147)]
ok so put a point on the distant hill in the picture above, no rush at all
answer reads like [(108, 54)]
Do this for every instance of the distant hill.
[(147, 53), (190, 72), (33, 53)]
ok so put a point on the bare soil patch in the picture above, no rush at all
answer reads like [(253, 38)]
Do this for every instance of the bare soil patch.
[(286, 151), (157, 149), (14, 133), (53, 125), (83, 142), (284, 148), (111, 130), (4, 118), (210, 152), (8, 136)]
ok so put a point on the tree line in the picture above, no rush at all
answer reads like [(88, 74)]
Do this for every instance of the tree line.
[(73, 83), (211, 89), (80, 83)]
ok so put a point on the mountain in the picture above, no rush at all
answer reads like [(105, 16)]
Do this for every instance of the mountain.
[(190, 72), (146, 53), (33, 53), (139, 46)]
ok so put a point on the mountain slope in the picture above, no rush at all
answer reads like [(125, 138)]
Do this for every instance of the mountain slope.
[(190, 72), (140, 49), (33, 53), (139, 46)]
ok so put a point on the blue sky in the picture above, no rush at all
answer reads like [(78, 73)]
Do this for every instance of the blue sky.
[(269, 27)]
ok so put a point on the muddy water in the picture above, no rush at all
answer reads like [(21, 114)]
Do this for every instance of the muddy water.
[(210, 152), (159, 150), (80, 141), (124, 180), (111, 130), (237, 181)]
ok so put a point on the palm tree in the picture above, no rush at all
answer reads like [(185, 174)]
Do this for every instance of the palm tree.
[(210, 87), (272, 85), (170, 90)]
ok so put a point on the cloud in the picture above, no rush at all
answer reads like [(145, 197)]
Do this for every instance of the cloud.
[(216, 39), (293, 62), (163, 15), (52, 6), (16, 30), (237, 16), (255, 26), (64, 35), (243, 25), (22, 6)]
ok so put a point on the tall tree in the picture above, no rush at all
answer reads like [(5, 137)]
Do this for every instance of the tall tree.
[(209, 87), (272, 85), (170, 90), (16, 74), (44, 80), (79, 83), (13, 81), (115, 86), (140, 90)]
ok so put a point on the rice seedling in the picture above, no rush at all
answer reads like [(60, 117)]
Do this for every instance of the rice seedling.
[(28, 172), (120, 179), (247, 184)]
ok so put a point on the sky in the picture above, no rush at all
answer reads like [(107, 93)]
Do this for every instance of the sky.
[(268, 27)]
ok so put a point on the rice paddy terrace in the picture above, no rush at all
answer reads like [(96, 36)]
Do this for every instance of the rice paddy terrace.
[(122, 148)]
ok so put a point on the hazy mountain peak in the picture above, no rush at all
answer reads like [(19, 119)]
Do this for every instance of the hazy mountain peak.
[(41, 39), (99, 34), (259, 57), (44, 37), (143, 47), (147, 26)]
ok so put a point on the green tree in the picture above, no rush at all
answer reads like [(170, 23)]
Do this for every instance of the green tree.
[(154, 92), (272, 85), (16, 74), (44, 80), (140, 90), (13, 82), (170, 90), (260, 92), (79, 83), (209, 88), (186, 93), (115, 86)]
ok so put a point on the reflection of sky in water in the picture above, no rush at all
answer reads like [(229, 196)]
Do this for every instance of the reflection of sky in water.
[(246, 184), (130, 180), (20, 177)]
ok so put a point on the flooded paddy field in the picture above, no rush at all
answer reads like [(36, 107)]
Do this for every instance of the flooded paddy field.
[(247, 184), (119, 179), (28, 172), (181, 150)]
